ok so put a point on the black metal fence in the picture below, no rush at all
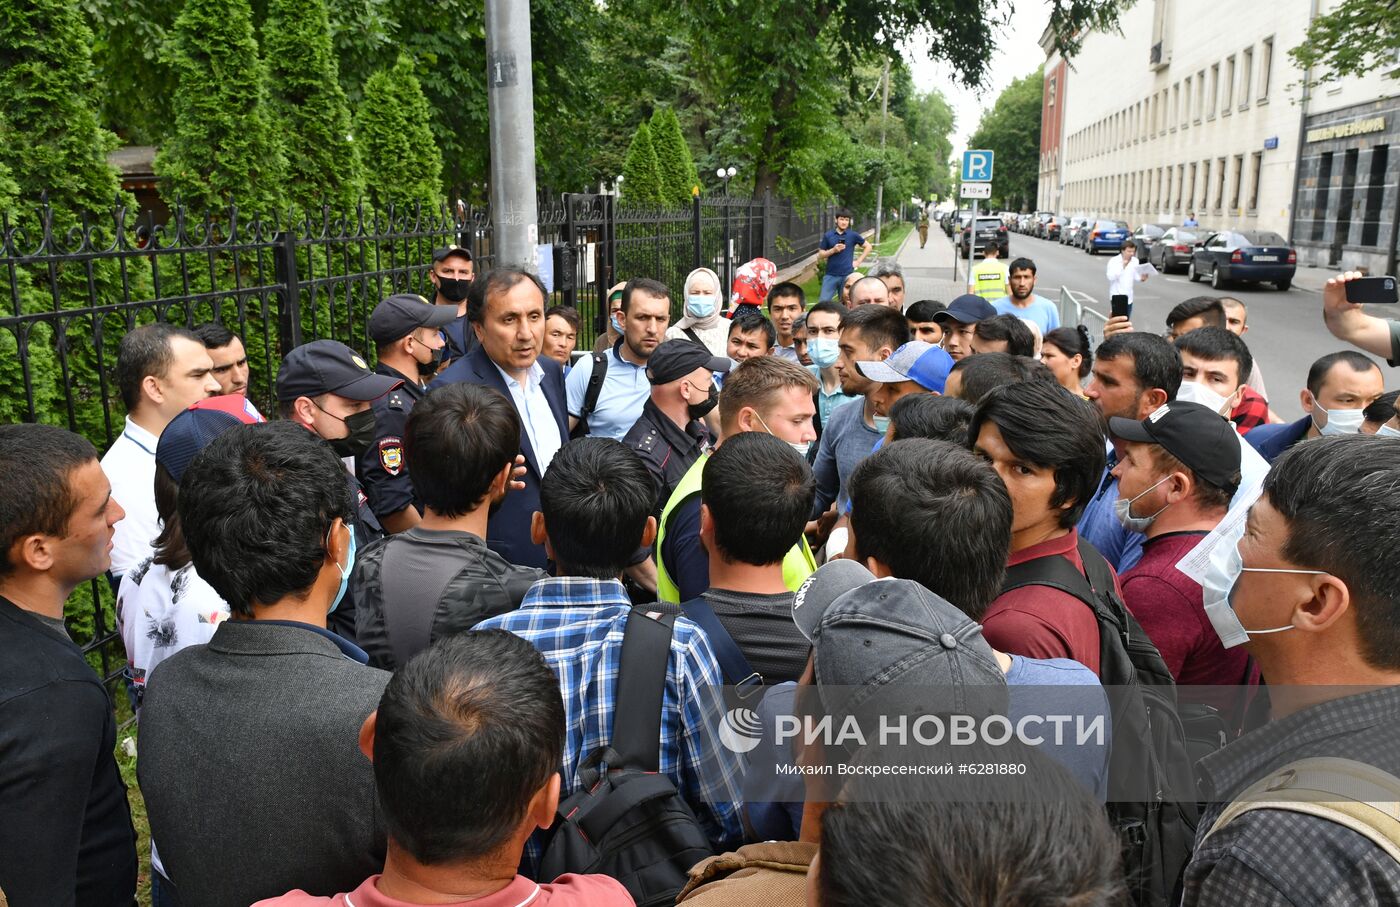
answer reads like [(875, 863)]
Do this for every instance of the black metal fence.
[(76, 288)]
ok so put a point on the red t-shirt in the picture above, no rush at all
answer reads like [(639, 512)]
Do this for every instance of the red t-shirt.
[(1041, 622), (566, 891), (1170, 607)]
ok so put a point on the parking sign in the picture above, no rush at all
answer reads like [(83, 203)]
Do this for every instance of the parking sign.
[(977, 166)]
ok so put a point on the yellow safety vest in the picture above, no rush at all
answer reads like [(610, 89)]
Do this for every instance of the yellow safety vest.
[(989, 278), (798, 563)]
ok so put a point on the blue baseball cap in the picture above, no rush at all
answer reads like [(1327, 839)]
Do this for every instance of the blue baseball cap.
[(918, 361)]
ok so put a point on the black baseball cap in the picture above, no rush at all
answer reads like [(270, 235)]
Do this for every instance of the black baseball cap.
[(445, 251), (674, 359), (967, 309), (330, 367), (1201, 439), (399, 315)]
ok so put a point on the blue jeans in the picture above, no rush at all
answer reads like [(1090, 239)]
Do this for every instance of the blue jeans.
[(831, 286)]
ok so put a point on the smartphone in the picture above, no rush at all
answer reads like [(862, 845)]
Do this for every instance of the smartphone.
[(1372, 291), (1121, 307)]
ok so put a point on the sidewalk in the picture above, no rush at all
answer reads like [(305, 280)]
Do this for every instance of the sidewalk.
[(928, 272)]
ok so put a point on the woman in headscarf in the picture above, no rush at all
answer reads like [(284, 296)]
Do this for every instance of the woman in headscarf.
[(701, 322), (752, 282)]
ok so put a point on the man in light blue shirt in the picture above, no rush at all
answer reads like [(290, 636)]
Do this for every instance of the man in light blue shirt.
[(624, 388), (1023, 303)]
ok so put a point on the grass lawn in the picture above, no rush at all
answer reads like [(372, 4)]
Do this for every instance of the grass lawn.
[(127, 763), (888, 246)]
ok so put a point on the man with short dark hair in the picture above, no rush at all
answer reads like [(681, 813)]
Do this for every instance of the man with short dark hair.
[(824, 349), (228, 355), (1340, 387), (466, 745), (161, 370), (837, 248), (509, 326), (439, 578), (1196, 312), (1214, 365), (595, 511), (1023, 301), (975, 377), (606, 395), (407, 332), (66, 836), (1237, 323), (1312, 593), (752, 512), (786, 302), (988, 278), (750, 335), (1133, 374), (923, 323), (561, 330), (273, 699), (959, 320), (1003, 334), (1047, 446), (452, 273)]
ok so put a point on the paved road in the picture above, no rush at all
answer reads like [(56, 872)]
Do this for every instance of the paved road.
[(1286, 334)]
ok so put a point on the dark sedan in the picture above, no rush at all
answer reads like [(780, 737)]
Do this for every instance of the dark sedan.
[(1145, 236), (1254, 255), (1172, 250)]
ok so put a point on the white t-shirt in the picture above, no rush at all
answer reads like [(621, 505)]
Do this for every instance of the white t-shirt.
[(1121, 276), (130, 465), (161, 611)]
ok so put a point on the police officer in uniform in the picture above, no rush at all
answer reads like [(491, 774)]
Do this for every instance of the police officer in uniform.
[(670, 434), (407, 331), (452, 275), (326, 387)]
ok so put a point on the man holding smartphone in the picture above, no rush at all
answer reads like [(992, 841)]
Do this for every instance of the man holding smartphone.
[(1123, 272), (837, 247), (1348, 321)]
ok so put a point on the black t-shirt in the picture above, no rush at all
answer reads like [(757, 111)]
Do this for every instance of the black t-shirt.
[(763, 629), (65, 828)]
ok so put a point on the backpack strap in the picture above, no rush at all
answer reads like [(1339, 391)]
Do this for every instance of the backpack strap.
[(690, 332), (735, 667), (1054, 571), (641, 687), (1350, 793), (590, 395)]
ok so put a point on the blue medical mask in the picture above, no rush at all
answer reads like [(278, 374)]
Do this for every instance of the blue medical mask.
[(1339, 421), (824, 352), (1385, 431), (616, 325), (344, 571), (700, 306), (882, 424)]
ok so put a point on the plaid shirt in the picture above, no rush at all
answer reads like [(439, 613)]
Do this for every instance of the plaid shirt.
[(1252, 412), (1273, 858), (578, 624)]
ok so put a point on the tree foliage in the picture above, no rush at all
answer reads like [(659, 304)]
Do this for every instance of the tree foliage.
[(223, 145), (1352, 39), (308, 107), (677, 168), (641, 174), (401, 161), (1011, 128)]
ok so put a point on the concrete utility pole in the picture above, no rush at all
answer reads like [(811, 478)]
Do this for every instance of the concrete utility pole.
[(884, 119), (510, 98)]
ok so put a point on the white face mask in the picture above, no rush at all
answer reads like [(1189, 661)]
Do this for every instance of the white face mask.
[(1123, 509), (1219, 592), (1196, 392), (1339, 421), (802, 447)]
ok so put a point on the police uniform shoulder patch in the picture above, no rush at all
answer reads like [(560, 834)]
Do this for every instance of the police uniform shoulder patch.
[(395, 400), (391, 455), (648, 442)]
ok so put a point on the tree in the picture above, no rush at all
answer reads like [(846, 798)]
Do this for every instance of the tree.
[(401, 160), (223, 145), (1354, 38), (308, 107), (641, 175), (1012, 130), (678, 176)]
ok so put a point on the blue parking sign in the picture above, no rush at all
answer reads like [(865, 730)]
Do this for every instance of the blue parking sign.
[(977, 166)]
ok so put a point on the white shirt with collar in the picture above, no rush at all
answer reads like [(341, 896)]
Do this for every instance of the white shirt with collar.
[(1121, 276), (130, 465), (533, 408)]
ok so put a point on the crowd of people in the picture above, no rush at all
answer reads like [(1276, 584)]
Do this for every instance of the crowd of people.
[(472, 625)]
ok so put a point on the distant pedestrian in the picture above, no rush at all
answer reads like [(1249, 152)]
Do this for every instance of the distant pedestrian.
[(1190, 221), (923, 227), (838, 248)]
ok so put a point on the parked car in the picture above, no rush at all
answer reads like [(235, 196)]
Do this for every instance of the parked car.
[(1041, 218), (990, 230), (1105, 236), (1073, 227), (1027, 222), (1145, 236), (1253, 255), (1172, 251), (955, 220), (1055, 226)]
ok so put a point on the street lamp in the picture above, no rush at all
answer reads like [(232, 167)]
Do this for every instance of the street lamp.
[(617, 187), (726, 174)]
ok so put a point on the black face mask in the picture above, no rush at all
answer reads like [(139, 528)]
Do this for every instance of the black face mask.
[(429, 368), (362, 430), (701, 409), (454, 289)]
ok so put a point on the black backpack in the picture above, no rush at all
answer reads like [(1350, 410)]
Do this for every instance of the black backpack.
[(590, 395), (1157, 834), (629, 821)]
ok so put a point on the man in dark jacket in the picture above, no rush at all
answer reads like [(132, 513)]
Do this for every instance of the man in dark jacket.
[(439, 578)]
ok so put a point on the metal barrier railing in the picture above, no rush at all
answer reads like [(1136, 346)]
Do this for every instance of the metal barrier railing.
[(1075, 311)]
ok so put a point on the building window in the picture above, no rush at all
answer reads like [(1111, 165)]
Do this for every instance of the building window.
[(1176, 106), (1053, 83), (1324, 189), (1180, 179), (1266, 65), (1214, 91), (1219, 183), (1256, 170), (1190, 195), (1246, 76), (1200, 95), (1186, 103), (1229, 86), (1236, 177), (1371, 226)]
